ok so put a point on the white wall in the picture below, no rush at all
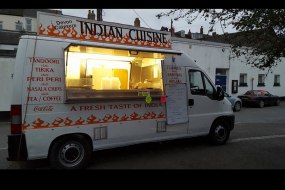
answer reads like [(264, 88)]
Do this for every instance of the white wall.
[(208, 57), (211, 55), (238, 66), (9, 22), (7, 68)]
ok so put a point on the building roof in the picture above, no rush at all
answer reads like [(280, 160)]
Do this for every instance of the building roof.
[(27, 12), (245, 38), (11, 37)]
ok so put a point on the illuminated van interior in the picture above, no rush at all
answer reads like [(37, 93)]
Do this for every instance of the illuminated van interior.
[(93, 72)]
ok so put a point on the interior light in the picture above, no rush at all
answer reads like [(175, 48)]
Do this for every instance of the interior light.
[(102, 56), (155, 71)]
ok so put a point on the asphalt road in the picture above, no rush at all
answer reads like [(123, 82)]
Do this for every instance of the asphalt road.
[(257, 142)]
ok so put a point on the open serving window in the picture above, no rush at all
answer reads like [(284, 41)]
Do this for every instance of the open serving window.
[(104, 73)]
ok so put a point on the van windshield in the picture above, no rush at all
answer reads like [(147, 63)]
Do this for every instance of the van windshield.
[(93, 72)]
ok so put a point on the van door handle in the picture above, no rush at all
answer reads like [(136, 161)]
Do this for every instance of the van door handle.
[(190, 102)]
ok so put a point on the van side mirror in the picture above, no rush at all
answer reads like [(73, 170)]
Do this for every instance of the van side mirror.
[(220, 94)]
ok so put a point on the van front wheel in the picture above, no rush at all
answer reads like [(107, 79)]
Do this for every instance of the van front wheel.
[(73, 152), (219, 132)]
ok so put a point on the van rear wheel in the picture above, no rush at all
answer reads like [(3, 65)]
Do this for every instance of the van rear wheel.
[(219, 132), (73, 152)]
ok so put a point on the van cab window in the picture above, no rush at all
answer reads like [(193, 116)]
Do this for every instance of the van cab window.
[(102, 73), (200, 84), (196, 83), (209, 88)]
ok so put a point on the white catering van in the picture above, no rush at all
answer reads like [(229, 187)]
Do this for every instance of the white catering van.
[(82, 85)]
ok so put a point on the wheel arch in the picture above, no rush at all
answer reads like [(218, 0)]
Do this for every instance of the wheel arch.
[(71, 135), (220, 130), (228, 119)]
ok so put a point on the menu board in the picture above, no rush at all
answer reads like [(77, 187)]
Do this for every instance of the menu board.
[(176, 104)]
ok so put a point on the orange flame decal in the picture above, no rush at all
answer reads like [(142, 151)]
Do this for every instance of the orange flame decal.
[(124, 118), (51, 29), (135, 116), (25, 125), (73, 33), (115, 118), (56, 122), (92, 120), (38, 123), (66, 31), (147, 115), (153, 115), (67, 121), (41, 29), (106, 118), (161, 115), (80, 121)]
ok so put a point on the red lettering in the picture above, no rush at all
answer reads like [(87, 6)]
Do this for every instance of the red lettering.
[(53, 79), (44, 60), (51, 98), (43, 108), (35, 79), (44, 70)]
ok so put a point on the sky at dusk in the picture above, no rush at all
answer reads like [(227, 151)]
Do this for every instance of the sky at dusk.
[(147, 19)]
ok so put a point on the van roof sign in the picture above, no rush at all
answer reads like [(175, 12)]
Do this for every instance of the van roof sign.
[(63, 26)]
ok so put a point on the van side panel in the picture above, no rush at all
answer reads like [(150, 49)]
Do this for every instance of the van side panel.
[(18, 73), (46, 116), (40, 88)]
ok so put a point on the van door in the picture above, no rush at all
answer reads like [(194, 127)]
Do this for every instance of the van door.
[(202, 108)]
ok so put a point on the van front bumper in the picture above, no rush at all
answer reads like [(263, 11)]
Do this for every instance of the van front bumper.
[(231, 118), (17, 148)]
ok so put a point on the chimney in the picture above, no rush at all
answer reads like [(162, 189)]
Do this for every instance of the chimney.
[(164, 29), (91, 15), (99, 15), (201, 30), (137, 22), (189, 34), (172, 31)]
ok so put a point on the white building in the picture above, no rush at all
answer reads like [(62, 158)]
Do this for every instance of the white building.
[(13, 24), (218, 61)]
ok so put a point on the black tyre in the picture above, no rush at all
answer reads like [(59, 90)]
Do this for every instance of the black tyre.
[(261, 103), (72, 152), (277, 103), (219, 132), (237, 106)]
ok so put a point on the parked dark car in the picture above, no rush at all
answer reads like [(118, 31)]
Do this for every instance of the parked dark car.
[(259, 98), (235, 101)]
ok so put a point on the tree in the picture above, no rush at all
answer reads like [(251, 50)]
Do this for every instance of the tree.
[(260, 37)]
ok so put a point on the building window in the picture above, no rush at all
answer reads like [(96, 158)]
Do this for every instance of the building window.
[(19, 26), (1, 25), (276, 80), (243, 79), (261, 79), (28, 24), (94, 73)]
